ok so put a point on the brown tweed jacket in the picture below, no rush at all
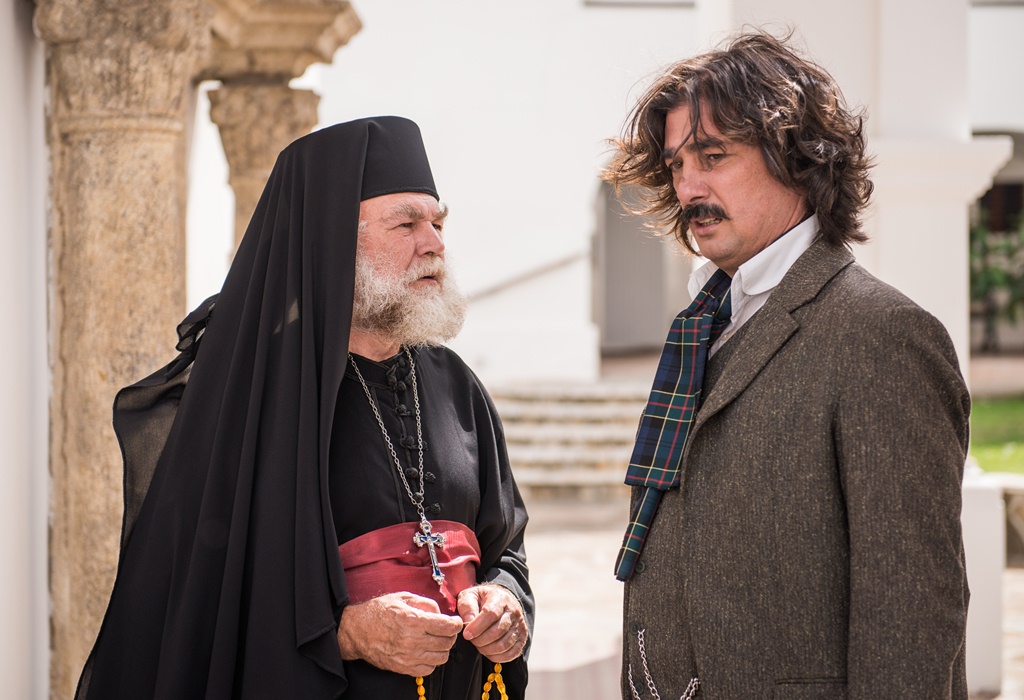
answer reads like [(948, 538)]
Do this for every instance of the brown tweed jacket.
[(813, 550)]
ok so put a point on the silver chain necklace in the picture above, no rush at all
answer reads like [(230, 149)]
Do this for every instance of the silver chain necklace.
[(424, 536)]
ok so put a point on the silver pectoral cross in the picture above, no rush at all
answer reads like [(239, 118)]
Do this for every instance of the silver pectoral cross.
[(431, 540)]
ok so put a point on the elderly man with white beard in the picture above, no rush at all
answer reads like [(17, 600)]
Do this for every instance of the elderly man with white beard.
[(318, 500), (406, 305)]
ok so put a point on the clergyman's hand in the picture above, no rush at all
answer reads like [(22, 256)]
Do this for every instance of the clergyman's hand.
[(494, 621), (400, 632)]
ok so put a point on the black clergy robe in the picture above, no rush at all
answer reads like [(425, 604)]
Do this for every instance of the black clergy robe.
[(467, 480), (229, 582)]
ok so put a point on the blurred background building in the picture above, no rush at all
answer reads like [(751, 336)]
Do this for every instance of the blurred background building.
[(137, 137)]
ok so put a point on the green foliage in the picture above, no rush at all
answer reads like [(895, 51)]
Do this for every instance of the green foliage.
[(1008, 457), (997, 278), (997, 434)]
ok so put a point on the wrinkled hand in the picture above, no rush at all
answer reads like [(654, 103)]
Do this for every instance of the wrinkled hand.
[(494, 621), (399, 632)]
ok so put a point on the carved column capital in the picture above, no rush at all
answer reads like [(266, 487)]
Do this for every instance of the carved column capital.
[(256, 122), (117, 65), (276, 38), (257, 47)]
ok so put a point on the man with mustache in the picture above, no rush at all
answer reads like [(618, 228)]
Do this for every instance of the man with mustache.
[(795, 525), (318, 498)]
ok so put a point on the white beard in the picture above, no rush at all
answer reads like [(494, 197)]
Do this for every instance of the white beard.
[(386, 305)]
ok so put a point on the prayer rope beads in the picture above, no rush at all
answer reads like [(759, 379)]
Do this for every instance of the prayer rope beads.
[(497, 680), (494, 679)]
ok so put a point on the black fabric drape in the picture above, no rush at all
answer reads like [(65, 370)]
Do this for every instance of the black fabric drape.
[(229, 583)]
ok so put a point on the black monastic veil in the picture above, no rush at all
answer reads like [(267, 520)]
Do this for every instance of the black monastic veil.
[(229, 582)]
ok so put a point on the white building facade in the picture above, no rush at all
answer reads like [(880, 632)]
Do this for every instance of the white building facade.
[(516, 102)]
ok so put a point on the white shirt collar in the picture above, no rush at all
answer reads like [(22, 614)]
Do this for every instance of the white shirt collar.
[(764, 271)]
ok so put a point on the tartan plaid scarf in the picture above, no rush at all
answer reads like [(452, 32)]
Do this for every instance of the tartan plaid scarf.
[(675, 397)]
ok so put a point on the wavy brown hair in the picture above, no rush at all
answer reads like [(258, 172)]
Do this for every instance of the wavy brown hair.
[(756, 91)]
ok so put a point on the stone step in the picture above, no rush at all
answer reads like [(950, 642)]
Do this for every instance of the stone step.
[(568, 458), (535, 476), (569, 412), (574, 485), (583, 434), (570, 441), (626, 392)]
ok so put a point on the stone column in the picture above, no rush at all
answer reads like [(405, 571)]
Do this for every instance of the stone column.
[(930, 169), (257, 47), (256, 121), (119, 76)]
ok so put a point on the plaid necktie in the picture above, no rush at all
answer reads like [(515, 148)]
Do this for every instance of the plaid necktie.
[(675, 397)]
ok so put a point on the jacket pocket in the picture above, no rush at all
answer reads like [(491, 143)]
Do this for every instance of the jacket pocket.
[(810, 689)]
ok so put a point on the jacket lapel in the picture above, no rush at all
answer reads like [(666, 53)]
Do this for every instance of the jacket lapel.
[(773, 325)]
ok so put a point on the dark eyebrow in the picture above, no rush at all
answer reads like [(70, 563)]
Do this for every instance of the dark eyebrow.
[(693, 146), (669, 154)]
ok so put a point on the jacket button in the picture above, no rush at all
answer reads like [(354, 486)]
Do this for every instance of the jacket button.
[(640, 567), (400, 386), (435, 509), (429, 477)]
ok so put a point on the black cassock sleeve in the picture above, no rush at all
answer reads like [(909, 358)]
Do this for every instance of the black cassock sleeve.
[(469, 481), (501, 541)]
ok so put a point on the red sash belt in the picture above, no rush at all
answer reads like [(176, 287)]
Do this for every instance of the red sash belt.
[(387, 561)]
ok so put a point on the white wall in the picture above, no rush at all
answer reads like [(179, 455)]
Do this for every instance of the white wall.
[(24, 644), (210, 215), (996, 68), (842, 39), (515, 102)]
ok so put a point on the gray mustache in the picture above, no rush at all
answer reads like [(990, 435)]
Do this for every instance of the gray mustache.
[(433, 267)]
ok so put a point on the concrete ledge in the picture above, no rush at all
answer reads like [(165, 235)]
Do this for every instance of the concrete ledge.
[(985, 545), (1012, 486)]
